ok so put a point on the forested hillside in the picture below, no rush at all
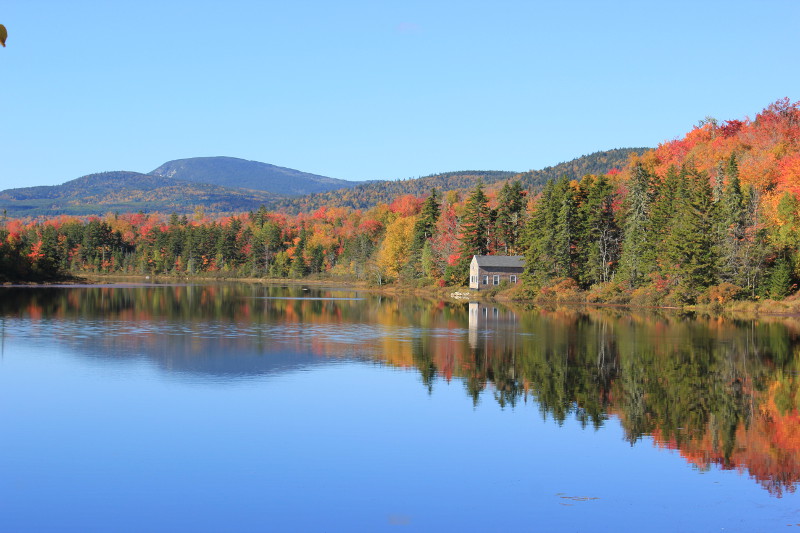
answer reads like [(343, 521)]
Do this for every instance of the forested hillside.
[(369, 194), (127, 192), (596, 163), (711, 217)]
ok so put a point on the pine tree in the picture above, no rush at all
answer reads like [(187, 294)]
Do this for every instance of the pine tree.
[(662, 214), (510, 219), (475, 224), (317, 261), (539, 237), (424, 230), (299, 268), (691, 260), (730, 226), (565, 249), (190, 250), (599, 238), (637, 259), (47, 265), (781, 279), (228, 249), (551, 233), (426, 223)]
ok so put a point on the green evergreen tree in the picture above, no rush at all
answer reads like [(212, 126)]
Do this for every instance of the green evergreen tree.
[(428, 261), (510, 220), (474, 226), (781, 278), (731, 226), (190, 252), (691, 260), (551, 233), (637, 259), (175, 241), (599, 238), (299, 268), (424, 230), (425, 226), (228, 250), (540, 236), (48, 266), (317, 260), (662, 214), (567, 226), (96, 243)]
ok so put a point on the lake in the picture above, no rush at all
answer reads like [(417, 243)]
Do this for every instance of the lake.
[(234, 407)]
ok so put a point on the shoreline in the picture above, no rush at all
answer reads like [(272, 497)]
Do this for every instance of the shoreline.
[(737, 308)]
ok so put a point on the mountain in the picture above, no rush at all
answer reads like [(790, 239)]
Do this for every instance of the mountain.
[(227, 184), (234, 172), (127, 192)]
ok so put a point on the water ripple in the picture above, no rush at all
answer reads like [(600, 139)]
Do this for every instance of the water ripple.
[(352, 333)]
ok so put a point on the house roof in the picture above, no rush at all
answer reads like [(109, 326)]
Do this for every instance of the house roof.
[(501, 261)]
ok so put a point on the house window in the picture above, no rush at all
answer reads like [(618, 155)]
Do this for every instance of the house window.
[(485, 280), (495, 279), (512, 278)]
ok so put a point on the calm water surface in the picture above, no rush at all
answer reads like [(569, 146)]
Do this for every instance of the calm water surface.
[(252, 408)]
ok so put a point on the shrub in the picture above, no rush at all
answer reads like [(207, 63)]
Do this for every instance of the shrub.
[(608, 293), (721, 294), (561, 290), (521, 291)]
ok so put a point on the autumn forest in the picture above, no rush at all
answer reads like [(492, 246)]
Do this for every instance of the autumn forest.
[(711, 217)]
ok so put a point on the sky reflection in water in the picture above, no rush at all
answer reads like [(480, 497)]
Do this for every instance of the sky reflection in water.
[(214, 408)]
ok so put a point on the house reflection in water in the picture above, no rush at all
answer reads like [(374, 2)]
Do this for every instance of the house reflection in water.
[(487, 321)]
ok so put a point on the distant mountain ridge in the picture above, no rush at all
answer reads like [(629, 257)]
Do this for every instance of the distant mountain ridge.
[(368, 194), (124, 191), (178, 186), (244, 174)]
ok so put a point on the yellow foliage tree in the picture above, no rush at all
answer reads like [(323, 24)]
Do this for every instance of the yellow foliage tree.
[(396, 245)]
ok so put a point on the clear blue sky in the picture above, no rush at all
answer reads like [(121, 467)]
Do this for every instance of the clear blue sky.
[(375, 90)]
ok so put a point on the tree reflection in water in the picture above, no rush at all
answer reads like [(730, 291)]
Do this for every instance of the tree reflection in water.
[(719, 391)]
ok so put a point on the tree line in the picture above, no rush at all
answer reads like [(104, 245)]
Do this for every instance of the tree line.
[(710, 217), (671, 238)]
